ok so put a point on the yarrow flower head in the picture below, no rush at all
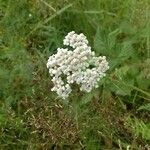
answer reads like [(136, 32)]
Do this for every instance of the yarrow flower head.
[(79, 66)]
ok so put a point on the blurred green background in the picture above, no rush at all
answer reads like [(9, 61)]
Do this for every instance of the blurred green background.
[(115, 116)]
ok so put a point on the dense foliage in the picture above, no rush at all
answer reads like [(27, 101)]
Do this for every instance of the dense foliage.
[(114, 116)]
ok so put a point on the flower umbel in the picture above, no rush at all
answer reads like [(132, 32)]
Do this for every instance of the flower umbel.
[(75, 66)]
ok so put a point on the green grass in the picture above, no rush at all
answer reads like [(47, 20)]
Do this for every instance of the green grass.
[(115, 116)]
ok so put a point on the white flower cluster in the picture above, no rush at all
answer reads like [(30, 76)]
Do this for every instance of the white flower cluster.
[(79, 66)]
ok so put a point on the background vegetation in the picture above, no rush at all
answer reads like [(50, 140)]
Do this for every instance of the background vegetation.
[(115, 116)]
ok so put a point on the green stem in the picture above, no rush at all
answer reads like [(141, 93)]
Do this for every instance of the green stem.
[(148, 30)]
